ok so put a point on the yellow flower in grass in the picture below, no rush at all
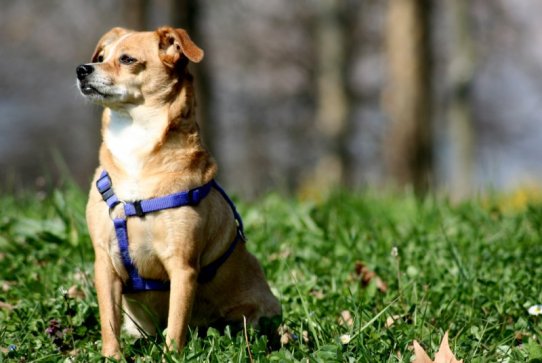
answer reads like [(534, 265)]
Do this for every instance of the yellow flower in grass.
[(535, 310)]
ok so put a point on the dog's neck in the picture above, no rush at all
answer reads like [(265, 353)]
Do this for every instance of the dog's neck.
[(131, 136), (143, 141)]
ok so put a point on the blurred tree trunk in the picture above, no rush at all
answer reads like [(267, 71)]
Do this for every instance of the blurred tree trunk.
[(332, 98), (408, 147), (185, 14), (135, 12), (460, 126)]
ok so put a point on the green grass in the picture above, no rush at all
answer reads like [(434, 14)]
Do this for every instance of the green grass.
[(468, 269)]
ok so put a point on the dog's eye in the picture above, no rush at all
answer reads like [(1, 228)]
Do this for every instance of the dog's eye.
[(126, 59), (98, 58)]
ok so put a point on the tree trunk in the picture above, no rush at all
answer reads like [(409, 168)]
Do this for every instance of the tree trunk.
[(333, 103), (185, 14), (459, 108), (135, 13), (408, 147)]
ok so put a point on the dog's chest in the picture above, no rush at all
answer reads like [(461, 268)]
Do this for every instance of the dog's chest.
[(143, 235), (129, 142)]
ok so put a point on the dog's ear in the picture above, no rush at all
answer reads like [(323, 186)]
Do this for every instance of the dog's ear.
[(173, 43), (106, 39)]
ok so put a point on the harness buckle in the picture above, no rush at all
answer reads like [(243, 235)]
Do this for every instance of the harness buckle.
[(193, 196), (138, 210), (112, 209), (106, 194)]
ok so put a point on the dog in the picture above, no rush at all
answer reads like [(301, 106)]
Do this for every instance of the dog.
[(168, 242)]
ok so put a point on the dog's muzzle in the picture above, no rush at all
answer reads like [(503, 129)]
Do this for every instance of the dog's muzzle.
[(83, 71)]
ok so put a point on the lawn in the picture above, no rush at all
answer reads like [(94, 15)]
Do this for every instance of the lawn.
[(360, 276)]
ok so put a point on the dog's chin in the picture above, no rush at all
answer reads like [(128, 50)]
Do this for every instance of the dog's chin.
[(98, 95), (91, 92)]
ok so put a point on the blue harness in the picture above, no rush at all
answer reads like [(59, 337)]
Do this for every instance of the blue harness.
[(140, 208)]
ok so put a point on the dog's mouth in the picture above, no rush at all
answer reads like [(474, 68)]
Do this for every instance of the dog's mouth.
[(103, 93), (89, 90)]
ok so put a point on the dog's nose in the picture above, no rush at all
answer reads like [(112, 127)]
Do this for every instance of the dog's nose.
[(83, 71)]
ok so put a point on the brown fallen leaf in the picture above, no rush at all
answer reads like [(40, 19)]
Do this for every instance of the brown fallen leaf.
[(81, 276), (444, 354), (285, 338), (285, 335), (365, 275), (282, 255), (6, 306), (6, 285), (520, 336), (391, 320), (346, 318), (75, 293), (380, 284), (420, 354), (317, 294), (305, 336)]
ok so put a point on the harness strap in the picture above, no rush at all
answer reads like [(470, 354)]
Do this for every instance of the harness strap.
[(208, 272), (140, 208), (236, 215), (135, 282)]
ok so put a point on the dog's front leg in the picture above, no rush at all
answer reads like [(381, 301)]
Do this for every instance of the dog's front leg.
[(183, 279), (109, 291)]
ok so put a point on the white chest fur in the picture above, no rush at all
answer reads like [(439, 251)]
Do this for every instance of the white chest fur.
[(130, 142), (127, 142)]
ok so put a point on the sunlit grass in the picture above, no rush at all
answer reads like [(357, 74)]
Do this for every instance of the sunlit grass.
[(468, 269)]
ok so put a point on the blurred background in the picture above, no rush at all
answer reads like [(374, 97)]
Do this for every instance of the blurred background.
[(299, 96)]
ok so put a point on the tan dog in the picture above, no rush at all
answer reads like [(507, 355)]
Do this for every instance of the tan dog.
[(152, 148)]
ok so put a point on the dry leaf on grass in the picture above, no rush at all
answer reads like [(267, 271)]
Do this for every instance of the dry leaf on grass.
[(346, 318), (75, 293), (420, 354), (6, 285), (81, 276), (444, 354), (286, 336), (281, 255), (305, 336), (6, 306), (317, 294), (365, 275), (391, 320)]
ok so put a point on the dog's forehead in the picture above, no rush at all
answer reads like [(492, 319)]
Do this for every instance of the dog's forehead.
[(133, 41), (137, 37)]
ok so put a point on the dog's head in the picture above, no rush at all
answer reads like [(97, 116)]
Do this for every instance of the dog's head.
[(132, 68)]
